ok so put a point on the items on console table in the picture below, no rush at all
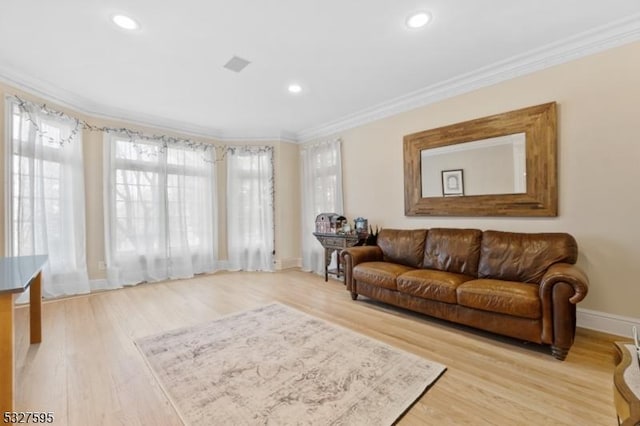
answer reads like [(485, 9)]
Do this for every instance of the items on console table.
[(626, 384), (332, 242)]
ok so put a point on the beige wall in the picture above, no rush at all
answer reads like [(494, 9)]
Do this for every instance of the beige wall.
[(599, 166), (287, 193), (598, 110), (288, 225)]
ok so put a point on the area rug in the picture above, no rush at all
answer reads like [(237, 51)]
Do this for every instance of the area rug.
[(276, 365)]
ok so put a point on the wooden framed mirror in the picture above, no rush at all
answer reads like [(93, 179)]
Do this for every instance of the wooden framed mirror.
[(507, 166)]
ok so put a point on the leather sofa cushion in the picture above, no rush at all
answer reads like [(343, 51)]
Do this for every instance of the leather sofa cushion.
[(405, 247), (432, 284), (453, 250), (506, 297), (382, 274), (523, 257)]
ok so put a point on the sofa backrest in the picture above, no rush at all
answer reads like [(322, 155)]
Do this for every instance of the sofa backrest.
[(453, 250), (523, 257), (405, 247)]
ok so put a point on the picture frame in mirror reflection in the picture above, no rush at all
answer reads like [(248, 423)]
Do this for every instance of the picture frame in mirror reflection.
[(452, 183)]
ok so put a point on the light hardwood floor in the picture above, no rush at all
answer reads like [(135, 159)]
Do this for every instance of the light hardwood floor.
[(88, 371)]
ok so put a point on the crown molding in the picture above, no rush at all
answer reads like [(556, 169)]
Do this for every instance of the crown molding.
[(257, 135), (63, 98), (587, 43), (602, 38), (81, 105)]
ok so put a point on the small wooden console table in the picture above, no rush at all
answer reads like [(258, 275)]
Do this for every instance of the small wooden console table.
[(16, 275), (333, 242), (626, 385)]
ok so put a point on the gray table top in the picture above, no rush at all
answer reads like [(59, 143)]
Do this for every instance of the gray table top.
[(16, 273)]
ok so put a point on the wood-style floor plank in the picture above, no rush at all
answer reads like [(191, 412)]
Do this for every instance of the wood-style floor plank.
[(87, 370)]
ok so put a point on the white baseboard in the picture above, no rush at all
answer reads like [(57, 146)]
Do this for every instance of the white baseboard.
[(288, 263), (99, 284), (605, 322)]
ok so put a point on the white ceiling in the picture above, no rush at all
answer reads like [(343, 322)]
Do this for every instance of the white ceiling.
[(355, 59)]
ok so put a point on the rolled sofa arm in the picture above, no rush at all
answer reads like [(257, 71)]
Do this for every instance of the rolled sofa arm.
[(352, 256), (566, 273), (561, 288)]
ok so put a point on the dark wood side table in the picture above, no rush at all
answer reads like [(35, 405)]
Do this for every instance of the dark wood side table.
[(626, 384), (333, 242), (16, 275)]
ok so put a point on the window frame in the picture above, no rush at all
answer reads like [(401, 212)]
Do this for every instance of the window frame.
[(164, 170), (48, 154)]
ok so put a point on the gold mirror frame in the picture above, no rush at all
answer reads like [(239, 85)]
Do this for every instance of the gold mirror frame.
[(541, 199)]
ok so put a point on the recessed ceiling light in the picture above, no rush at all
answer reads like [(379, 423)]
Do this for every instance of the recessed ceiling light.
[(125, 22), (294, 88), (418, 20)]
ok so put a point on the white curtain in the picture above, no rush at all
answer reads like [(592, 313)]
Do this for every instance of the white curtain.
[(250, 234), (45, 201), (321, 165), (159, 210)]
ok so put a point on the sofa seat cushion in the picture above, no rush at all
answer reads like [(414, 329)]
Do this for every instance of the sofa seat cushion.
[(432, 284), (382, 274), (507, 297)]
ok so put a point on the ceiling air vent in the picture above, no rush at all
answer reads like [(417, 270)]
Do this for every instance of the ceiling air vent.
[(236, 64)]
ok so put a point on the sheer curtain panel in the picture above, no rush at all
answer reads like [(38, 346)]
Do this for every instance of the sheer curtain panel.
[(45, 199), (250, 234), (321, 165), (160, 210)]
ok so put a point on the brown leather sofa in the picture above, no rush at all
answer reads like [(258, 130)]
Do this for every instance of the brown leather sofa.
[(515, 284)]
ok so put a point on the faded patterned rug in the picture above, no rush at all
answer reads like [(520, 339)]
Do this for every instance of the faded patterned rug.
[(276, 365)]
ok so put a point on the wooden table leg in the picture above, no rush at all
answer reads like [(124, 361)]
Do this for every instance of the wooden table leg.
[(327, 261), (35, 308), (7, 370)]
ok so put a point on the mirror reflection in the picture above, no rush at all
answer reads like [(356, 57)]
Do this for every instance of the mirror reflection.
[(480, 167)]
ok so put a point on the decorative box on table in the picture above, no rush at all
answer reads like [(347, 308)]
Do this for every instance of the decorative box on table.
[(329, 223)]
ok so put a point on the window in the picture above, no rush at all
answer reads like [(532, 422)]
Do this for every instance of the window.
[(160, 222), (321, 193), (250, 208), (46, 196)]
